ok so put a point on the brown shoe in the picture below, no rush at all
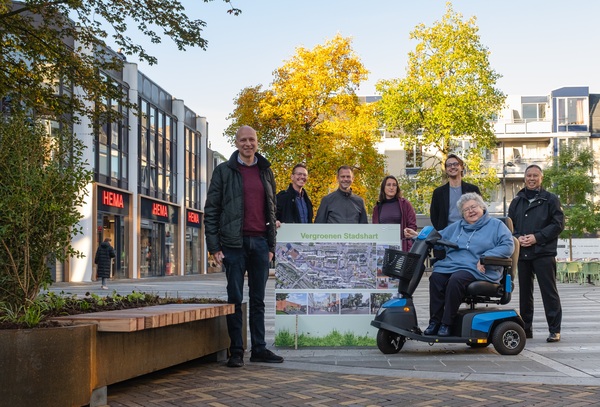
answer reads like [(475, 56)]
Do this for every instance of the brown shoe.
[(554, 337)]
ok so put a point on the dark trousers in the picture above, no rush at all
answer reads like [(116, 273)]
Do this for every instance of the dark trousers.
[(544, 270), (253, 257), (446, 293)]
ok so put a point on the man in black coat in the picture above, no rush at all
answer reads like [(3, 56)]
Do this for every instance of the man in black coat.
[(103, 259), (240, 229), (293, 204), (443, 210), (538, 220)]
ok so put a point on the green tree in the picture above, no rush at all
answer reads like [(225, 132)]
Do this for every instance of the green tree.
[(570, 177), (311, 114), (42, 180), (448, 95), (40, 48), (53, 64)]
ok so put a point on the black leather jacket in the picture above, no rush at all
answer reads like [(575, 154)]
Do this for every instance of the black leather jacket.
[(224, 208), (543, 218)]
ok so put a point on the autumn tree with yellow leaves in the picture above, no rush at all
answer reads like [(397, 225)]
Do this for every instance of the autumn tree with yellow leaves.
[(448, 95), (311, 115)]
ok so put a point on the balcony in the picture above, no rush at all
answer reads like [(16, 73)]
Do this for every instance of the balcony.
[(523, 126)]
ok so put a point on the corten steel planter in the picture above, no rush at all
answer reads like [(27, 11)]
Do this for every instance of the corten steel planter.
[(47, 366)]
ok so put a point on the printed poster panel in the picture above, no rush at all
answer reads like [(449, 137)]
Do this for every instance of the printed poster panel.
[(329, 283)]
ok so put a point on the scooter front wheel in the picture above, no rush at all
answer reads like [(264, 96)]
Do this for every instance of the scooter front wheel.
[(509, 338), (389, 342)]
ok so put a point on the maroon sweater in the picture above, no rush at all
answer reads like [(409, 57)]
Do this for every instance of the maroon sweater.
[(255, 223)]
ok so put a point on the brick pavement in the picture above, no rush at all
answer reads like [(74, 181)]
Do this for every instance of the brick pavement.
[(566, 373), (213, 384)]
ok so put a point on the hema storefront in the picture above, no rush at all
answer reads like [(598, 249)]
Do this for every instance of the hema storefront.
[(149, 187)]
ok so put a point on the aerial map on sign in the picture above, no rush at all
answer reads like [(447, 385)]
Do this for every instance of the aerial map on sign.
[(345, 265)]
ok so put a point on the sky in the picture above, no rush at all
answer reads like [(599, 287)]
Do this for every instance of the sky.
[(536, 45)]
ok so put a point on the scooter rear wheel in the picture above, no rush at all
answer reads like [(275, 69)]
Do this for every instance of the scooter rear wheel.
[(389, 342), (509, 338)]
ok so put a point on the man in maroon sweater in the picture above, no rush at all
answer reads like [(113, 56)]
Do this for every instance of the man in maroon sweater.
[(240, 228)]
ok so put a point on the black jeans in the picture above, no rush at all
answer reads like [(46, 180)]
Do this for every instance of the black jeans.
[(544, 270), (253, 257)]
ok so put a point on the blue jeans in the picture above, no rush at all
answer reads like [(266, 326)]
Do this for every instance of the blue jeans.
[(253, 257)]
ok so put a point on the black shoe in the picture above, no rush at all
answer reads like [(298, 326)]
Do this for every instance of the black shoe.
[(444, 330), (528, 334), (432, 329), (235, 361), (554, 337), (266, 356)]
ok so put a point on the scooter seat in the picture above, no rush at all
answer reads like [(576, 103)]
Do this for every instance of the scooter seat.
[(484, 289)]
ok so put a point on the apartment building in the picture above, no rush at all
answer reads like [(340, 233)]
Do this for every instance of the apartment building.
[(529, 130)]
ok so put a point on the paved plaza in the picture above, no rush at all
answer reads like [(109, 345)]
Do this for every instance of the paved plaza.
[(566, 373)]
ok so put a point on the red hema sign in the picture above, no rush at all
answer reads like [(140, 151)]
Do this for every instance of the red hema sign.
[(159, 210), (112, 199)]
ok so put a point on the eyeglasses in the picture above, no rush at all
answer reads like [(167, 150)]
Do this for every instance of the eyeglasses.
[(452, 164), (470, 208)]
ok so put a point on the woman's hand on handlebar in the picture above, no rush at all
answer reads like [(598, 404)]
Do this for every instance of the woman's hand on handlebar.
[(410, 233)]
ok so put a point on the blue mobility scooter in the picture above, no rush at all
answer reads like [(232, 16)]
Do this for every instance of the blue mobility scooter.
[(397, 318)]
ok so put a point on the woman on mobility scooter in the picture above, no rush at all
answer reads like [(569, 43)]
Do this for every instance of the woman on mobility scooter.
[(477, 235)]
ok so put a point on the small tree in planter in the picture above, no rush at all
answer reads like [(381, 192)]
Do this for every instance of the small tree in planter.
[(42, 180)]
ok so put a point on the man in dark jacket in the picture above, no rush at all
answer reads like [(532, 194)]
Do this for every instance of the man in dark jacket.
[(293, 204), (443, 210), (103, 259), (239, 222), (342, 206), (538, 219)]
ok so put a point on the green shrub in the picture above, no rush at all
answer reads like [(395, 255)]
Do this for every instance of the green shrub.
[(42, 184)]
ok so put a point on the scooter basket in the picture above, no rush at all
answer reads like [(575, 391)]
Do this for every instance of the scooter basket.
[(399, 264)]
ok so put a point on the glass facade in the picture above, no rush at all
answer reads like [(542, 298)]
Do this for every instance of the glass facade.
[(192, 168), (157, 162), (112, 145)]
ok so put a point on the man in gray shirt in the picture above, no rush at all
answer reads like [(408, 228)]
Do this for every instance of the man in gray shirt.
[(342, 206)]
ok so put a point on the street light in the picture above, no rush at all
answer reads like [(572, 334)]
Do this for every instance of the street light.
[(504, 165)]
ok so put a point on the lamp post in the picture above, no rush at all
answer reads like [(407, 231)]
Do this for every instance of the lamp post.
[(504, 165)]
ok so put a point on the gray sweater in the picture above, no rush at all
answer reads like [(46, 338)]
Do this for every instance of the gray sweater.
[(342, 207)]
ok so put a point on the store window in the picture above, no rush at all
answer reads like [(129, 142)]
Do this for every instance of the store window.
[(158, 239), (113, 221), (193, 243)]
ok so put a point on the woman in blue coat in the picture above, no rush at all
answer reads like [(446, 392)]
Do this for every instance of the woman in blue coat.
[(477, 235)]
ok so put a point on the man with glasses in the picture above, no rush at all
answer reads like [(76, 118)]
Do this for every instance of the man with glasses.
[(293, 204), (443, 210)]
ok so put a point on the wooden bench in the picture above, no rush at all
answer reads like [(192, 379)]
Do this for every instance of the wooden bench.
[(156, 316), (133, 342)]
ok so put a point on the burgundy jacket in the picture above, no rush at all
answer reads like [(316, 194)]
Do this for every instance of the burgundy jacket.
[(408, 220)]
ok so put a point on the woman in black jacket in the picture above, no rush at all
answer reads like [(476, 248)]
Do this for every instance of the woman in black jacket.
[(104, 255)]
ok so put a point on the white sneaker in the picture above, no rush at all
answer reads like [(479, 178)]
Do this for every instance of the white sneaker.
[(104, 287)]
